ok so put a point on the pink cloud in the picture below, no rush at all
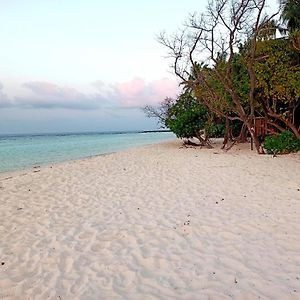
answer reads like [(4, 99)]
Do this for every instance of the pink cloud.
[(138, 93), (132, 88), (165, 86)]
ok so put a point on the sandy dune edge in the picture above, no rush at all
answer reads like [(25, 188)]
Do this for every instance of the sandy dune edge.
[(158, 222)]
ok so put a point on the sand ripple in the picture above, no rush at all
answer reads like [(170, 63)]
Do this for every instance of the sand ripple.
[(157, 222)]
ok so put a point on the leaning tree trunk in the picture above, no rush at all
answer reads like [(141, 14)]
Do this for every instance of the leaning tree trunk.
[(289, 124), (204, 142)]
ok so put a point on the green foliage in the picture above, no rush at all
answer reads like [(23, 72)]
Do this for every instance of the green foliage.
[(216, 130), (187, 117), (240, 79), (278, 77), (236, 127), (285, 142), (290, 14), (209, 90)]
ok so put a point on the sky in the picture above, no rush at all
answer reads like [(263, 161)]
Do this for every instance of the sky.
[(85, 65)]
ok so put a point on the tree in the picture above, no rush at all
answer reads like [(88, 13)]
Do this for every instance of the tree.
[(160, 112), (291, 14), (187, 118), (215, 37), (184, 116), (230, 61), (291, 18), (278, 85)]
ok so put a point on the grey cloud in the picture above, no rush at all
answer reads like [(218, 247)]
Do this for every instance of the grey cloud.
[(79, 103), (4, 101), (49, 95)]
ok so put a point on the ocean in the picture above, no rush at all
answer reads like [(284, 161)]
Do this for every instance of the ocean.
[(19, 152)]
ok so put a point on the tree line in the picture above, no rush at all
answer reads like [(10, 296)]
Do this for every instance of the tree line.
[(234, 68)]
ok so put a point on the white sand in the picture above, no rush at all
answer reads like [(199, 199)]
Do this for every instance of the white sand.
[(158, 222)]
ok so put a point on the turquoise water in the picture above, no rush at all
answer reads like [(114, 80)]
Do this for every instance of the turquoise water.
[(19, 152)]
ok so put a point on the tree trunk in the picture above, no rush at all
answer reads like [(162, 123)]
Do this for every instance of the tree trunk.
[(242, 138), (227, 132), (257, 144)]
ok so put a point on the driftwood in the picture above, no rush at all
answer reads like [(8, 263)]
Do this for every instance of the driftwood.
[(190, 143), (202, 143)]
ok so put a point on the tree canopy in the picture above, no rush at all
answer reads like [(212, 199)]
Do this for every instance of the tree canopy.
[(291, 14), (232, 65)]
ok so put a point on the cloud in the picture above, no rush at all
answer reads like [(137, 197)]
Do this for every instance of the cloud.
[(131, 94), (137, 92), (50, 95), (4, 101), (51, 90)]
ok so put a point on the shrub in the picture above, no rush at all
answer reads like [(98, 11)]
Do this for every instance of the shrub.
[(285, 142), (186, 117)]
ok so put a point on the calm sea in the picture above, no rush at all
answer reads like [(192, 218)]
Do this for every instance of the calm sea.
[(19, 152)]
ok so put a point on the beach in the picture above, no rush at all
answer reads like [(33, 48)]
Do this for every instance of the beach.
[(156, 222)]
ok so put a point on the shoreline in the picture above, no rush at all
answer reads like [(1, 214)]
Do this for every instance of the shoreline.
[(28, 169), (216, 142), (154, 222), (49, 165), (33, 168)]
